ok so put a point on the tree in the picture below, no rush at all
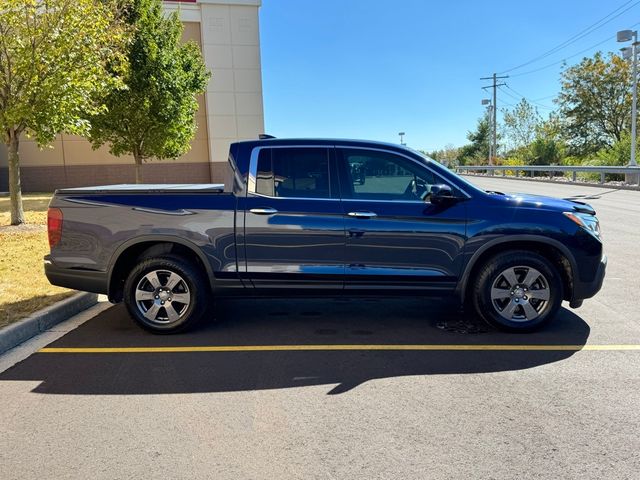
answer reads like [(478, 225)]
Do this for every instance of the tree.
[(53, 64), (543, 151), (154, 116), (447, 156), (595, 102), (520, 125), (539, 143), (478, 150), (548, 146)]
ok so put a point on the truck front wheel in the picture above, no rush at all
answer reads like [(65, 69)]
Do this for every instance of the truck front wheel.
[(166, 294), (517, 291)]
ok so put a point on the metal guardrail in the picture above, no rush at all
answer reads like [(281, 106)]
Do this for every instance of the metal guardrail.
[(574, 169)]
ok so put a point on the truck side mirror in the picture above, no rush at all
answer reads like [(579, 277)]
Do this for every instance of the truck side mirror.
[(441, 194)]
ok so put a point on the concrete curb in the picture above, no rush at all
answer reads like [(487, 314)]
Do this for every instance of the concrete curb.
[(42, 320)]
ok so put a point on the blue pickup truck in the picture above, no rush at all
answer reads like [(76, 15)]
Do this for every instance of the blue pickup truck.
[(324, 217)]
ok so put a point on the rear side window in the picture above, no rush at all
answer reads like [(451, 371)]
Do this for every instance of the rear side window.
[(293, 172)]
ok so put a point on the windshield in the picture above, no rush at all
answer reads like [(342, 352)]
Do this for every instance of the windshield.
[(447, 173)]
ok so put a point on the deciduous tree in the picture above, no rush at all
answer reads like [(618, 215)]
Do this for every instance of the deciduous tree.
[(447, 156), (595, 102), (154, 116), (54, 56), (520, 125)]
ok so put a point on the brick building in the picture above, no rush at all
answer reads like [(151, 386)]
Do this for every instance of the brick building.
[(231, 109)]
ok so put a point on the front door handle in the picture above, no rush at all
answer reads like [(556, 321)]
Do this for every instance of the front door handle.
[(264, 211), (362, 214)]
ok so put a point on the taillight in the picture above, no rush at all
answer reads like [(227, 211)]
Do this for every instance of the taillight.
[(54, 226)]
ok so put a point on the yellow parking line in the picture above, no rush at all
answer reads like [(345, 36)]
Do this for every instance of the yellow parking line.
[(294, 348)]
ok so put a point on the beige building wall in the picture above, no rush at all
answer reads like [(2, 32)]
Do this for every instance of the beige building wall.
[(230, 110)]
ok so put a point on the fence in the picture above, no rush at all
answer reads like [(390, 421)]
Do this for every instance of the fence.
[(553, 170)]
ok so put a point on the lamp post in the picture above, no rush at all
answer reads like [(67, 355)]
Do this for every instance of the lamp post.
[(402, 134), (487, 102), (631, 52)]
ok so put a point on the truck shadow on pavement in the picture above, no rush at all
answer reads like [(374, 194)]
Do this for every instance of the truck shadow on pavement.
[(288, 322)]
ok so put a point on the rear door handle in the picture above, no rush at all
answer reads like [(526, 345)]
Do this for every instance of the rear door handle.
[(264, 211), (362, 214)]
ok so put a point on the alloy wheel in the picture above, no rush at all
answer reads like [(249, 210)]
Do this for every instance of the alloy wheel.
[(162, 296), (520, 294)]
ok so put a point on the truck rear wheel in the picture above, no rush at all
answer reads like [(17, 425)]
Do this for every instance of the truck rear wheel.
[(517, 291), (166, 294)]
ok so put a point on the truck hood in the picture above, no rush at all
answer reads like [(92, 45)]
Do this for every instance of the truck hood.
[(547, 203)]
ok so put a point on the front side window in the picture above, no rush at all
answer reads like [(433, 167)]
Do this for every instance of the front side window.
[(293, 173), (373, 175)]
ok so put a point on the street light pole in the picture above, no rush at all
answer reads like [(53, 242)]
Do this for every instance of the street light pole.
[(402, 134), (625, 36), (634, 103)]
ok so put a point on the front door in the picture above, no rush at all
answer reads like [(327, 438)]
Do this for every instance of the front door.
[(293, 222), (395, 237)]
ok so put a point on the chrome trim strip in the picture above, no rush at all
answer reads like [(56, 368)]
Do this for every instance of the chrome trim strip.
[(253, 171), (88, 202), (362, 214), (264, 211), (366, 200)]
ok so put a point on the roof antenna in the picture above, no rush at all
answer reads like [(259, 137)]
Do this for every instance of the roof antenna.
[(265, 136)]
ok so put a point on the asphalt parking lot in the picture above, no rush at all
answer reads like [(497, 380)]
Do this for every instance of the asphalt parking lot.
[(340, 388)]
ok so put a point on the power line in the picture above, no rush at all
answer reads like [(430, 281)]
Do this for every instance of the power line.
[(532, 101), (570, 56), (520, 97), (508, 93), (544, 98), (587, 31), (564, 59), (592, 28)]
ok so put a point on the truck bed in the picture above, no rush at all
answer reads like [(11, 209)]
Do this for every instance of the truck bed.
[(146, 188)]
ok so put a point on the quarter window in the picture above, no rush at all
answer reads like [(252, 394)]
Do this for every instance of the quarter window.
[(293, 172)]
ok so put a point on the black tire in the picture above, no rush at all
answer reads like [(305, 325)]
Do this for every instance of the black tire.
[(504, 296), (192, 290)]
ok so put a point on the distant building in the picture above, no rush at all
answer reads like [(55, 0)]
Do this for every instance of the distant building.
[(231, 109)]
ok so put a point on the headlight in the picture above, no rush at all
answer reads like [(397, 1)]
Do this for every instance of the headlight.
[(586, 221)]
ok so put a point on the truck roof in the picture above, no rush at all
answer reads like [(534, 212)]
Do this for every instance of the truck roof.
[(322, 141)]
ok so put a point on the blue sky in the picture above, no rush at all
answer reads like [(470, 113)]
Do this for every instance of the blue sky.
[(369, 69)]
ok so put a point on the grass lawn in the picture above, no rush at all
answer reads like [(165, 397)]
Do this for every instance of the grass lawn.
[(23, 286)]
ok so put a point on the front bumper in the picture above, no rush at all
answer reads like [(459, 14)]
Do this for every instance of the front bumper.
[(582, 290), (76, 278)]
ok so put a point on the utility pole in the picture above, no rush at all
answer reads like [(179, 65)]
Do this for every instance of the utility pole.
[(495, 86), (487, 102)]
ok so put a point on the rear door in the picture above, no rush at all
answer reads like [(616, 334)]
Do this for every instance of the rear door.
[(293, 223), (395, 237)]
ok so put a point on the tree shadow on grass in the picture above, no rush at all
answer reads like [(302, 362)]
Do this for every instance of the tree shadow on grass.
[(15, 311), (287, 322)]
